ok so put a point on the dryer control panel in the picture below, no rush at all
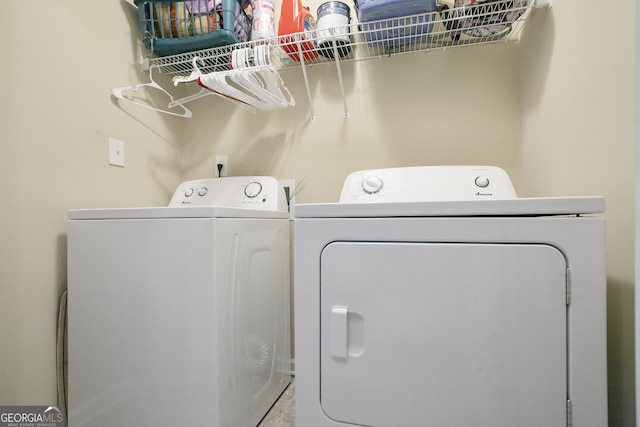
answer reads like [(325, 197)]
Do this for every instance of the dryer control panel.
[(255, 192), (427, 183)]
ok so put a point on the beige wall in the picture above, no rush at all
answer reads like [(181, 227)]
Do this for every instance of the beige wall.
[(56, 117), (578, 139), (458, 106), (551, 111)]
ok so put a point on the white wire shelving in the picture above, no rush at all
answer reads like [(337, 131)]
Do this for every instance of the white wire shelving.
[(496, 21)]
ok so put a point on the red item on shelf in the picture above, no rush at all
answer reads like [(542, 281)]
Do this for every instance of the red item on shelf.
[(297, 25)]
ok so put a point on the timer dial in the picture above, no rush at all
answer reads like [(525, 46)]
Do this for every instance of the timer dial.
[(253, 189)]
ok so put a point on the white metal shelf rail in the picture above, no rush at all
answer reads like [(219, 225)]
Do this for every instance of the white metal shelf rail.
[(498, 21)]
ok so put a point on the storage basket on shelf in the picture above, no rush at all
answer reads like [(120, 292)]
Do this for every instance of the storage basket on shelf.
[(173, 27), (393, 23), (488, 18)]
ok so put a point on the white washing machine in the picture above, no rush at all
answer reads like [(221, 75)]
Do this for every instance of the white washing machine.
[(433, 296), (179, 315)]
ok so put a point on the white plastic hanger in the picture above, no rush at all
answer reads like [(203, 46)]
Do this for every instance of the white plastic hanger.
[(245, 78), (219, 84), (195, 75), (259, 77), (247, 81), (273, 81), (250, 85), (128, 94)]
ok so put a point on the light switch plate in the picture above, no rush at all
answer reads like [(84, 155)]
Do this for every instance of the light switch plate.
[(116, 152)]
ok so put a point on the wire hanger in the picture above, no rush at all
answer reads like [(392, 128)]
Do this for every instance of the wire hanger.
[(127, 94)]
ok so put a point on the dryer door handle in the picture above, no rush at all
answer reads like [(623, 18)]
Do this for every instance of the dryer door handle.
[(339, 337)]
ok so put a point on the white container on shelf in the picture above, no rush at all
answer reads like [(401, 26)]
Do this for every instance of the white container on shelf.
[(333, 27)]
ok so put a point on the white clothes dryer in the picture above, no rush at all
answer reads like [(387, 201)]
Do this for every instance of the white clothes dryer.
[(433, 296), (179, 315)]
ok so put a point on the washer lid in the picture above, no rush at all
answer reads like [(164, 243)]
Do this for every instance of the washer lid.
[(174, 212), (540, 206)]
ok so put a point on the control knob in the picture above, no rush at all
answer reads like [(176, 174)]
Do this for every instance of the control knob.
[(253, 189), (482, 181), (372, 184)]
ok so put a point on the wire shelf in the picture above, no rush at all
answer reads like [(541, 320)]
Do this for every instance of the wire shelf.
[(497, 21)]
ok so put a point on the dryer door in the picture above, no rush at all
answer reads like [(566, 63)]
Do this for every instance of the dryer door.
[(443, 334)]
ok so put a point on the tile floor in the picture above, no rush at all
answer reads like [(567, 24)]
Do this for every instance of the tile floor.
[(283, 412)]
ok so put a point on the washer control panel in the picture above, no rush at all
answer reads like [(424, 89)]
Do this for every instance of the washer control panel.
[(427, 183), (255, 192)]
